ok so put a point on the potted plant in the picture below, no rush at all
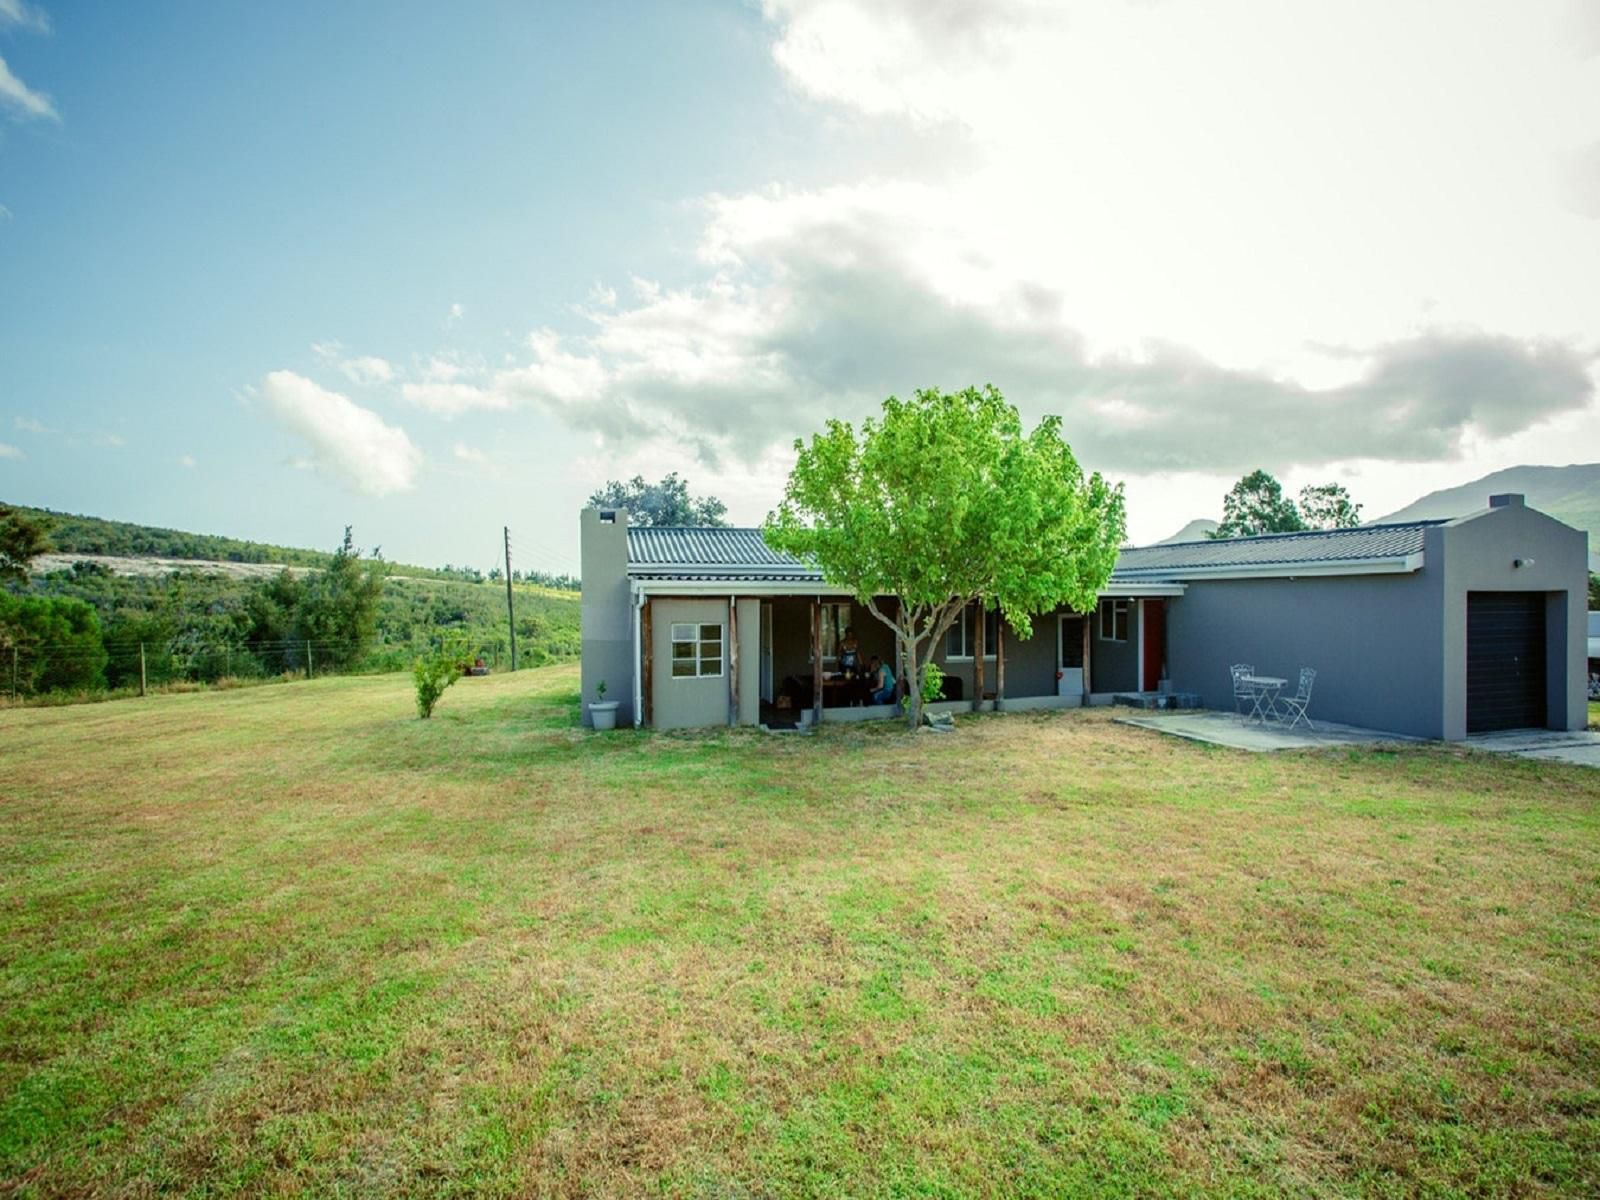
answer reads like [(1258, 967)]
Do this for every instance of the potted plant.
[(603, 712)]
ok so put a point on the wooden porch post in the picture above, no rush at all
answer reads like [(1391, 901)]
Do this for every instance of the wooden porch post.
[(977, 656), (999, 662), (816, 661), (1087, 617), (647, 643), (733, 660)]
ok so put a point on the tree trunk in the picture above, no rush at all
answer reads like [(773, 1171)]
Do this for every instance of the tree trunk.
[(913, 680)]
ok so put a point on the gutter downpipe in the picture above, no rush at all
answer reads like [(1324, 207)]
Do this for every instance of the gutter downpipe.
[(638, 668)]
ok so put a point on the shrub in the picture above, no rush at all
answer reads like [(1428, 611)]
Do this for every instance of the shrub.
[(433, 673)]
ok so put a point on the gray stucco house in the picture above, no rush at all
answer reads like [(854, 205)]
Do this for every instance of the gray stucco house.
[(1434, 629)]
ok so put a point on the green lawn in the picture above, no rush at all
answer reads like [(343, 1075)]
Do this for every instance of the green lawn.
[(293, 940)]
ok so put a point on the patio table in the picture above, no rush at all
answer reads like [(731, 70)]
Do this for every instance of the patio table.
[(1266, 689)]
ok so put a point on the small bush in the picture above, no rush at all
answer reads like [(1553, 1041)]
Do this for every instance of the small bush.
[(434, 673)]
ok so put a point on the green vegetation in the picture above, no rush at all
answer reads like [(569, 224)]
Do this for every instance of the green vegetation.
[(23, 535), (1257, 505), (943, 501), (664, 503), (432, 673), (293, 941), (72, 534), (200, 627)]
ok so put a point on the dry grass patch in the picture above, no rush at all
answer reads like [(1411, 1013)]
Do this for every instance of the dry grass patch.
[(293, 940)]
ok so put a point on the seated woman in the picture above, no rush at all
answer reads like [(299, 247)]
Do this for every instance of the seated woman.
[(881, 680)]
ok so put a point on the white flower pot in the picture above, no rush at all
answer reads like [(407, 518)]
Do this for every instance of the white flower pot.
[(604, 714)]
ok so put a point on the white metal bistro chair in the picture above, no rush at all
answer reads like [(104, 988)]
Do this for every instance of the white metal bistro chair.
[(1244, 695), (1293, 708)]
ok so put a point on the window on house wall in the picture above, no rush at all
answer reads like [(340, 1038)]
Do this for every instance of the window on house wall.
[(835, 620), (1113, 620), (958, 641), (696, 651)]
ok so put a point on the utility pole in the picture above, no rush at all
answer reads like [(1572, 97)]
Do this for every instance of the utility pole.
[(309, 671), (511, 612), (141, 668)]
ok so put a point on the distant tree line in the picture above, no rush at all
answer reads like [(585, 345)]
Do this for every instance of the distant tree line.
[(1257, 505)]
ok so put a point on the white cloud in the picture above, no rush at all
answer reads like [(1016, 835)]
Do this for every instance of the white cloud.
[(458, 312), (5, 213), (818, 304), (7, 451), (24, 102), (468, 454), (186, 460), (105, 438), (31, 425), (20, 14), (365, 369), (352, 442)]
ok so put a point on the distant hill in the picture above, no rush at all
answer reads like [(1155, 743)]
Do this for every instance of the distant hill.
[(1570, 494), (76, 537), (1196, 530)]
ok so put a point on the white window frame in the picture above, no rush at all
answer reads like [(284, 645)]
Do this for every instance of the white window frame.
[(964, 627), (696, 638), (1113, 608)]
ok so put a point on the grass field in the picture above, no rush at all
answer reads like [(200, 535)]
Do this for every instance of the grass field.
[(293, 940)]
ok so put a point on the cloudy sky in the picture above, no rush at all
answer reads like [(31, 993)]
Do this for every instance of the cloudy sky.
[(434, 269)]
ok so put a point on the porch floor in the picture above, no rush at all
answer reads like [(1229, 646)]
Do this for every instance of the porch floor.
[(1226, 729)]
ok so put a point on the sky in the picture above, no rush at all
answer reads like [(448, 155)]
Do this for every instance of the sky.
[(434, 270)]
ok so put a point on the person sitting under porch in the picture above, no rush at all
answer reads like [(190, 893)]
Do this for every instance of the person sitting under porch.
[(882, 681)]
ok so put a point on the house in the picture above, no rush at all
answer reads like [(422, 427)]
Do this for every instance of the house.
[(1434, 629)]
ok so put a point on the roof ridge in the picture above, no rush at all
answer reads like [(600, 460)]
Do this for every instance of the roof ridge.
[(1300, 533)]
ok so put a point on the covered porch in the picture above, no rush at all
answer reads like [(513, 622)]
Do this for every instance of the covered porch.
[(776, 657)]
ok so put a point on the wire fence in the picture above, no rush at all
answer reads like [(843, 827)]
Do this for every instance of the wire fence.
[(37, 669)]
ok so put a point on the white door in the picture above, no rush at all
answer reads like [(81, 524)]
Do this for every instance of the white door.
[(1069, 649), (766, 651)]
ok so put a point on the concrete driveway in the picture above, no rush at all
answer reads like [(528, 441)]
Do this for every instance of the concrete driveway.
[(1581, 747), (1225, 729)]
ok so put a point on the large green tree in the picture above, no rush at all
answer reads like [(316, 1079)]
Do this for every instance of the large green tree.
[(943, 500), (51, 642), (664, 503), (1257, 505), (23, 537), (1328, 506), (338, 607)]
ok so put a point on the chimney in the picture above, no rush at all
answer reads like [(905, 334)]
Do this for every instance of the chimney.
[(1507, 500), (606, 621)]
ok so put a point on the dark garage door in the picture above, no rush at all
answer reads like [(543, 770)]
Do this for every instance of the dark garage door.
[(1505, 661)]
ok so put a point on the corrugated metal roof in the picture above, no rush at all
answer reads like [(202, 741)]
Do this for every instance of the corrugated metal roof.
[(697, 552), (1368, 543), (736, 551)]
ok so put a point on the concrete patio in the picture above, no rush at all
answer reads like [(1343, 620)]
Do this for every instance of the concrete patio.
[(1225, 729)]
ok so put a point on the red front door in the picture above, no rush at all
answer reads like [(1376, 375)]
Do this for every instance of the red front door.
[(1153, 636)]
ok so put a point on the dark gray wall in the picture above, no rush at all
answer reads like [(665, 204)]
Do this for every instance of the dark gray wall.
[(1373, 639), (1114, 666), (1031, 662), (607, 615)]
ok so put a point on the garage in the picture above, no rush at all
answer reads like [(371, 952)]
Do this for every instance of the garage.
[(1506, 657)]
